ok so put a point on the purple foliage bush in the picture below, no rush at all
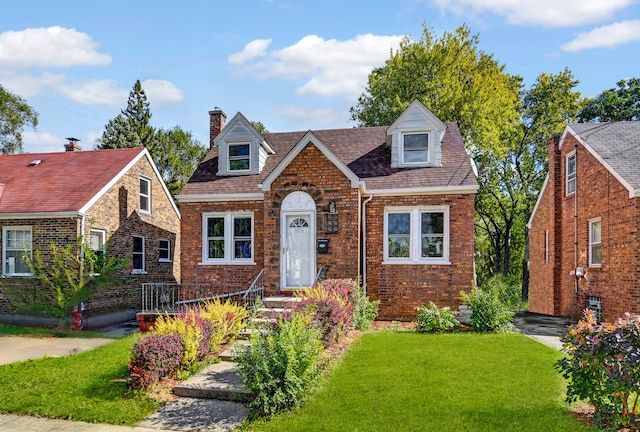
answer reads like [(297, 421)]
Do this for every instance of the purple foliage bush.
[(154, 357)]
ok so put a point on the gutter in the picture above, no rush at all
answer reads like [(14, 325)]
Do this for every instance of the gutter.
[(364, 243)]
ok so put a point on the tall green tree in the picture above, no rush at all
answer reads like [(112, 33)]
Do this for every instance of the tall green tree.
[(131, 128), (616, 104), (176, 154), (15, 114)]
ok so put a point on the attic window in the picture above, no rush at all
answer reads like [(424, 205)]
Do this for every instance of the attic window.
[(35, 162), (415, 148), (239, 157)]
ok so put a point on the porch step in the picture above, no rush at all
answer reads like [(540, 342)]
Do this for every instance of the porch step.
[(219, 381), (282, 302), (232, 353), (272, 312)]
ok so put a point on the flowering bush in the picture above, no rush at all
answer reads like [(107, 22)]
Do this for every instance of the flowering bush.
[(154, 357), (603, 366), (190, 326), (227, 318)]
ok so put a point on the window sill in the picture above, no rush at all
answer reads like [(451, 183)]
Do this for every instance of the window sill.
[(18, 275), (164, 260), (595, 266), (208, 263), (138, 272), (411, 262)]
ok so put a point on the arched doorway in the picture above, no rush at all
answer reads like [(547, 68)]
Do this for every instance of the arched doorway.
[(298, 232)]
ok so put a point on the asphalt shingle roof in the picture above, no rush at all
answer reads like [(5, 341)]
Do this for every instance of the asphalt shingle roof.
[(364, 152), (61, 182), (617, 143)]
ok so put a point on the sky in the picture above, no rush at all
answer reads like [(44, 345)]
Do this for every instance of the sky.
[(293, 65)]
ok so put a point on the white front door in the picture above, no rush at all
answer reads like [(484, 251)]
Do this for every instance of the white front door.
[(298, 251)]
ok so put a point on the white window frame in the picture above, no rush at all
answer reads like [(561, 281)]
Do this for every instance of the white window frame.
[(230, 158), (570, 178), (146, 196), (593, 242), (5, 259), (103, 237), (546, 246), (143, 270), (168, 249), (229, 245), (415, 235), (429, 145)]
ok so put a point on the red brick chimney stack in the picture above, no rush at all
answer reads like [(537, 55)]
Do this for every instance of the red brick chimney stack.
[(72, 145), (217, 117)]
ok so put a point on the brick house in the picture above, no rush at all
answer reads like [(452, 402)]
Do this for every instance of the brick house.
[(115, 196), (392, 205), (583, 232)]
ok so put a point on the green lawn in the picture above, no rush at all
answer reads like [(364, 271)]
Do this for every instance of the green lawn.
[(402, 381), (75, 387)]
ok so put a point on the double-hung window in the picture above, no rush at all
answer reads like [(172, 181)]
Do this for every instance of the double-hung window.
[(570, 183), (415, 148), (227, 238), (145, 195), (138, 255), (164, 250), (416, 235), (595, 243), (16, 242), (239, 157)]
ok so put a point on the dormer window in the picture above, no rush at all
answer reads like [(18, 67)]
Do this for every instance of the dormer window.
[(415, 148), (239, 157)]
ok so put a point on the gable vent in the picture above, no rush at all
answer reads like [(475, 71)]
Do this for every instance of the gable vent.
[(35, 162)]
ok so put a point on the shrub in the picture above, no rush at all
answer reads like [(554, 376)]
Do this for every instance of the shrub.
[(227, 318), (432, 319), (603, 366), (188, 325), (364, 310), (154, 357), (494, 306), (280, 367)]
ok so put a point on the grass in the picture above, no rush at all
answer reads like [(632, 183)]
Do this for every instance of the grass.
[(75, 387), (11, 330), (403, 381)]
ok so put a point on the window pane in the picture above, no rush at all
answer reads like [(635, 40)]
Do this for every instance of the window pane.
[(144, 186), (137, 244), (144, 203), (19, 264), (399, 247), (415, 156), (416, 141), (239, 164), (596, 254), (571, 165), (216, 249), (215, 227), (242, 249), (432, 247), (137, 261), (399, 223), (164, 249), (239, 150), (432, 223), (595, 232), (242, 227)]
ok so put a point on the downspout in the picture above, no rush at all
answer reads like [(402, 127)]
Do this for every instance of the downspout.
[(575, 227), (364, 242)]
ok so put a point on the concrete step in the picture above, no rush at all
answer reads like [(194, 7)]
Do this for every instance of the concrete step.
[(231, 353), (248, 332), (271, 312), (283, 302), (219, 381)]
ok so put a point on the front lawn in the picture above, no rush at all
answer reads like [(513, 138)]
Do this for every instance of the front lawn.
[(402, 381), (75, 387)]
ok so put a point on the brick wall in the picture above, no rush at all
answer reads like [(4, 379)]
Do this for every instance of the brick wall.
[(403, 287), (598, 195)]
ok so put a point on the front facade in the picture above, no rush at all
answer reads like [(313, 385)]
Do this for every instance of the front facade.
[(584, 238), (114, 199), (393, 206)]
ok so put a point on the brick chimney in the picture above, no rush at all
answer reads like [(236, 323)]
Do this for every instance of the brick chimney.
[(72, 145), (217, 117)]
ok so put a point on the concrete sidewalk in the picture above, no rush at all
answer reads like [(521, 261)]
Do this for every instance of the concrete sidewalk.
[(12, 423)]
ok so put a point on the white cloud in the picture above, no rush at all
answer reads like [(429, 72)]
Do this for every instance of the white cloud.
[(52, 47), (161, 92), (317, 116), (35, 142), (608, 36), (94, 92), (546, 13), (29, 86), (330, 67), (254, 49)]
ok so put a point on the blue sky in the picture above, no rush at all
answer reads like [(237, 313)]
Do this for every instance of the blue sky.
[(293, 65)]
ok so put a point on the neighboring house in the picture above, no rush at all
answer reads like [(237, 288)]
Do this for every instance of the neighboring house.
[(391, 205), (584, 230), (114, 196)]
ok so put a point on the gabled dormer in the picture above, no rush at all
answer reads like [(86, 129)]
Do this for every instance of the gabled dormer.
[(242, 150), (416, 137)]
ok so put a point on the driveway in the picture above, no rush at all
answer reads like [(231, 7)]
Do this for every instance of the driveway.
[(19, 348)]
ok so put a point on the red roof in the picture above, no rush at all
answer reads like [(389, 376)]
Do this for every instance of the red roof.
[(59, 182)]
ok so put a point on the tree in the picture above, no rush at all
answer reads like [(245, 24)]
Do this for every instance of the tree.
[(15, 114), (260, 127), (176, 154), (131, 127), (619, 104)]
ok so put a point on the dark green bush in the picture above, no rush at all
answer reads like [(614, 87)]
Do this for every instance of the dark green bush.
[(364, 310), (494, 305), (432, 319), (280, 367)]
